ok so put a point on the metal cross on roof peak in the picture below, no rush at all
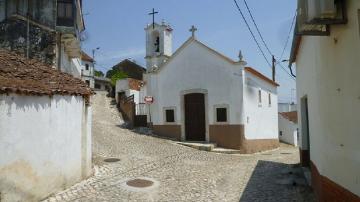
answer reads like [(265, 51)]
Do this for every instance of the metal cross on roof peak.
[(153, 13), (193, 30)]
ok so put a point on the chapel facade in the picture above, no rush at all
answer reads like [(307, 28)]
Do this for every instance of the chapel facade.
[(201, 95)]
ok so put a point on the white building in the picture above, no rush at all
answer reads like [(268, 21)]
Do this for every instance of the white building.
[(102, 84), (287, 107), (87, 69), (202, 95), (45, 129), (129, 87), (328, 86), (288, 128)]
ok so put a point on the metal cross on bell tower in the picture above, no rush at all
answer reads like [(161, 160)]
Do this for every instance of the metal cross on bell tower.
[(153, 13), (193, 30)]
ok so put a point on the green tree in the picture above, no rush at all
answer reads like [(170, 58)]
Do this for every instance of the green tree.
[(117, 75), (99, 73)]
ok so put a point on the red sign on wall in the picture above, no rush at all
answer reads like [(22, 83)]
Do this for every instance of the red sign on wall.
[(149, 99)]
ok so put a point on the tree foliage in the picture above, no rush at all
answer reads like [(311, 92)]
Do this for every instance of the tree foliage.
[(98, 73), (117, 75)]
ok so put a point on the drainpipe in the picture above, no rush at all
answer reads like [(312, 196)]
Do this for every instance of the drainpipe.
[(28, 31), (59, 51)]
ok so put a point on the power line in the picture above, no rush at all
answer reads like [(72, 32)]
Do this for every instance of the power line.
[(257, 28), (262, 38), (251, 32), (288, 37)]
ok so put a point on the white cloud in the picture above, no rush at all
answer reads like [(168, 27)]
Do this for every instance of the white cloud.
[(104, 56)]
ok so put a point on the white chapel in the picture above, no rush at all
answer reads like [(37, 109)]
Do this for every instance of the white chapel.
[(201, 95)]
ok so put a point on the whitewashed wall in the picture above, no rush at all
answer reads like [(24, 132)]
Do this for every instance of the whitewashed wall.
[(328, 74), (261, 119), (45, 145), (288, 131), (121, 86), (72, 66)]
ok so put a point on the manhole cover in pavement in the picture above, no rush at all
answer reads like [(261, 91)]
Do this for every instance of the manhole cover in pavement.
[(111, 160), (139, 183)]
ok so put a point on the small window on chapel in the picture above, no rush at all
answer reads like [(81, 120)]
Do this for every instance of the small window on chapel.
[(269, 99), (221, 114), (170, 115), (87, 66), (259, 96)]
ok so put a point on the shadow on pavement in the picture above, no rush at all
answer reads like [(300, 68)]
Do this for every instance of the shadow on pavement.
[(272, 181)]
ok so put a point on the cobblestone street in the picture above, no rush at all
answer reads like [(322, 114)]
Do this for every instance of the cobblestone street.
[(180, 173)]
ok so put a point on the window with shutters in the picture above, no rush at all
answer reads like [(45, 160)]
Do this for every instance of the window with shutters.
[(65, 13)]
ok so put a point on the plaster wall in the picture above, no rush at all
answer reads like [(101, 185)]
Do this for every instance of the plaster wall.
[(261, 118), (70, 65), (45, 145), (288, 131), (328, 72)]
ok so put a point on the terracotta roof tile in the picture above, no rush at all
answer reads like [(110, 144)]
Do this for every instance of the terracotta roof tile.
[(24, 76), (86, 57), (261, 76), (291, 116), (135, 84)]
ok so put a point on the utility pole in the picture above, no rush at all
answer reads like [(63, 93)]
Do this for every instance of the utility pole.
[(93, 52), (93, 56), (273, 68)]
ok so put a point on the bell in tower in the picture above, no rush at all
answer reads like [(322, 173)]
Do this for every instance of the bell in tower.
[(158, 44)]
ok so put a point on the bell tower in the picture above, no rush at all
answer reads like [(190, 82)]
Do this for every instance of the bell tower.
[(158, 45)]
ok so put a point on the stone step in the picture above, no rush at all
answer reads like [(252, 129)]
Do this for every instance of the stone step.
[(225, 151), (203, 146), (211, 147)]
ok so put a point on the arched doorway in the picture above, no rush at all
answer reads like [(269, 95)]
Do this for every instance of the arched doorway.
[(195, 126)]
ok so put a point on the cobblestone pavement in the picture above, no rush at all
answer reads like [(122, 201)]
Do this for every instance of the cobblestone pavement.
[(180, 173)]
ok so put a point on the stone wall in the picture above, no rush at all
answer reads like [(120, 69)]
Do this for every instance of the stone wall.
[(42, 41)]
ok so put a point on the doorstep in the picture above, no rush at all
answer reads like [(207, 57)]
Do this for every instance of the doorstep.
[(203, 146), (210, 147)]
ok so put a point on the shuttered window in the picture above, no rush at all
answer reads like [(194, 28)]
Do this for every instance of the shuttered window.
[(65, 9)]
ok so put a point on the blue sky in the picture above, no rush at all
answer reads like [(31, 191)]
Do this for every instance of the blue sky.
[(117, 27)]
